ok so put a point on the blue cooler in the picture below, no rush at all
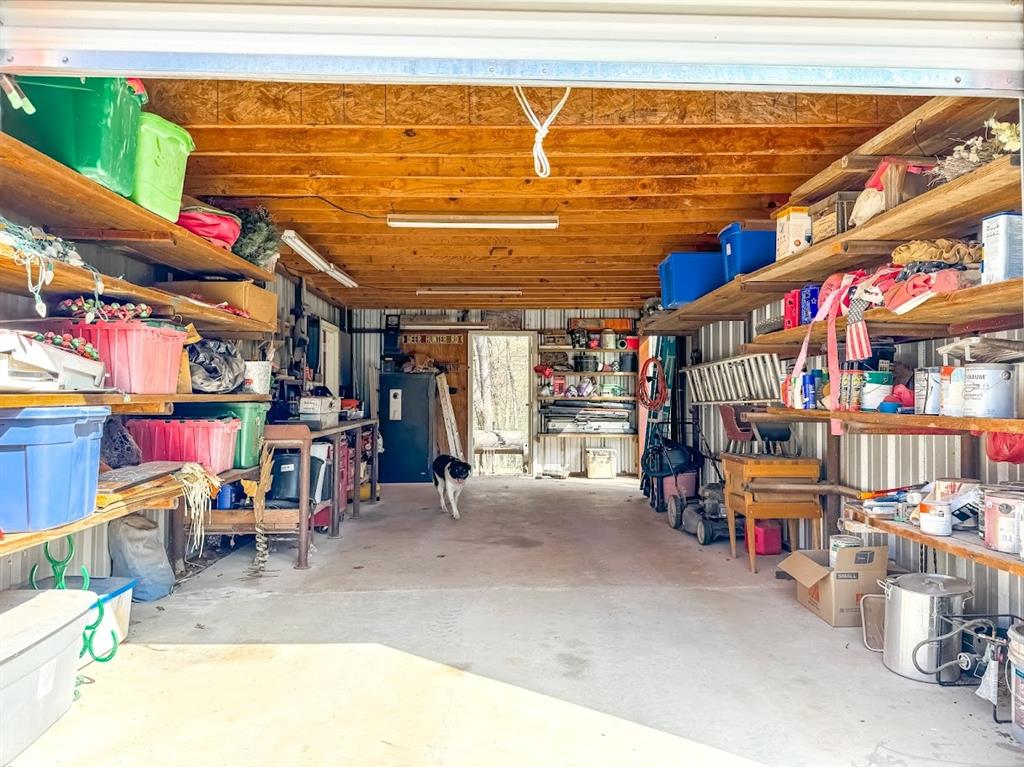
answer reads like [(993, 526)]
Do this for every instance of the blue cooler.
[(50, 464), (686, 277), (746, 250)]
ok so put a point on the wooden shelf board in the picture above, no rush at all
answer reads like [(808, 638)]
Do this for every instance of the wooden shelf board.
[(124, 404), (587, 399), (573, 435), (50, 194), (952, 210), (960, 544), (234, 475), (15, 542), (71, 280), (901, 423), (930, 320)]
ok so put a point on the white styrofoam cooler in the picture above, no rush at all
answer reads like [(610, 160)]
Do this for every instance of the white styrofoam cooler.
[(601, 462), (40, 637)]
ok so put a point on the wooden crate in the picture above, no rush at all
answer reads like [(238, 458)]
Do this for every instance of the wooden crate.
[(831, 216)]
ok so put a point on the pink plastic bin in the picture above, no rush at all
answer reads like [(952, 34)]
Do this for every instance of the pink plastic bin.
[(209, 442), (140, 359)]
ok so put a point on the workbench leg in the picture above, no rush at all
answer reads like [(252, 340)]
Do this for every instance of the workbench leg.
[(357, 482), (178, 537), (374, 461), (730, 515), (749, 543), (337, 504), (302, 560), (794, 534), (833, 457)]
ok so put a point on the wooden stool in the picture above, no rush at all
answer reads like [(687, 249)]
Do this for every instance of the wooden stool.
[(740, 469)]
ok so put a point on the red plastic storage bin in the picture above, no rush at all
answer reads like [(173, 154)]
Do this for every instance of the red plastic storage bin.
[(140, 358), (210, 442)]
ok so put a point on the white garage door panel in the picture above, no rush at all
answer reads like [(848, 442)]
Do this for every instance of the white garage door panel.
[(969, 45)]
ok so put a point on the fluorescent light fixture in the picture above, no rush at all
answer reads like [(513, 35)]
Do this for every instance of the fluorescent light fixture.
[(445, 326), (292, 239), (446, 221), (467, 290)]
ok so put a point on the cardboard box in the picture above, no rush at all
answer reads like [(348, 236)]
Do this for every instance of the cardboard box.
[(259, 303), (792, 230), (834, 594)]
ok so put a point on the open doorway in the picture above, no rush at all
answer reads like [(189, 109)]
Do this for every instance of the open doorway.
[(500, 402)]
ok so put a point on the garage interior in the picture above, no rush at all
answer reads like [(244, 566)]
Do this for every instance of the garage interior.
[(691, 502)]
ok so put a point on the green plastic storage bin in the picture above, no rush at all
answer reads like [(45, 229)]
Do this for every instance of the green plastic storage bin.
[(162, 151), (90, 125), (253, 416)]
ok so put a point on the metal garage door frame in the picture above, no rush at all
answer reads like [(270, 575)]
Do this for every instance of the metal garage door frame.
[(881, 46)]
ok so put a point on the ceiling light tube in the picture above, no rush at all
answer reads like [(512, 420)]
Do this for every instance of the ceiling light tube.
[(447, 221), (306, 252), (467, 290)]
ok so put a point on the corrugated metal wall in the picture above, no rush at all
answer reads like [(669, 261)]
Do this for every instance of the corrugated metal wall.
[(91, 545), (879, 461), (570, 453)]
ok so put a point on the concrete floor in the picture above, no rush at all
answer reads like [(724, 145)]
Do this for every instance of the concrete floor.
[(558, 623)]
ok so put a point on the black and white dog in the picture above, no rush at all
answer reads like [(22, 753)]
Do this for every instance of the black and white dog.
[(450, 475)]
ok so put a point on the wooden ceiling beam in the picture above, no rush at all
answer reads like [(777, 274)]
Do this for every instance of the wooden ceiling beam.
[(516, 166), (380, 230), (563, 140), (439, 238), (388, 187)]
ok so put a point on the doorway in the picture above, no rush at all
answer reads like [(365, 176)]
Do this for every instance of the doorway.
[(501, 402)]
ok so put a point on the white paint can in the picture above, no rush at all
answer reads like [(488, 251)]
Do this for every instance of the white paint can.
[(990, 390), (877, 386), (936, 517), (951, 392), (836, 542), (927, 390), (1002, 237), (1003, 510)]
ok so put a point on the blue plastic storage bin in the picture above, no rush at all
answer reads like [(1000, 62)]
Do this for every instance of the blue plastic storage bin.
[(50, 464), (686, 277), (746, 250)]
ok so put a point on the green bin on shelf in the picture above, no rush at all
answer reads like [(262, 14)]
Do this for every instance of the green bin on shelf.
[(89, 124), (160, 157), (253, 416)]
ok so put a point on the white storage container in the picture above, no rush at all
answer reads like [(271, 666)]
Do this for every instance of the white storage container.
[(601, 462), (40, 636), (1002, 239), (116, 596)]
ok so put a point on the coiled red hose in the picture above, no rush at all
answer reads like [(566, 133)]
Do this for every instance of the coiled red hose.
[(652, 396)]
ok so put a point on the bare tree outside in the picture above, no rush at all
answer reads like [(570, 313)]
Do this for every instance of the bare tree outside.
[(501, 401)]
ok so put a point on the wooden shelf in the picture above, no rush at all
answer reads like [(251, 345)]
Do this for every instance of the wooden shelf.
[(939, 317), (53, 196), (123, 404), (234, 475), (585, 351), (573, 435), (71, 281), (901, 423), (960, 544), (547, 398), (949, 210)]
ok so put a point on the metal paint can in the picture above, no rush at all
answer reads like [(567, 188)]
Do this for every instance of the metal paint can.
[(990, 390), (927, 390), (936, 517), (609, 339), (877, 386), (1003, 510), (951, 391), (836, 542)]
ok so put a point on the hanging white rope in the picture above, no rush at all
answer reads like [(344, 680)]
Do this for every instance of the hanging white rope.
[(540, 160)]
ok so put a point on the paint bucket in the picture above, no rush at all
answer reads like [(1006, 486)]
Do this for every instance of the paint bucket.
[(990, 390), (951, 392), (609, 339), (877, 386), (1015, 635), (927, 390), (836, 542), (936, 517), (633, 343), (1003, 511)]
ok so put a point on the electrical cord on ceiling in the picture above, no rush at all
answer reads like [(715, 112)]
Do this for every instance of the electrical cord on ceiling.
[(540, 160)]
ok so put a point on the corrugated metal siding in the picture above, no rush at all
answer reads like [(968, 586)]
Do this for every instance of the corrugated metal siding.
[(878, 461), (367, 348)]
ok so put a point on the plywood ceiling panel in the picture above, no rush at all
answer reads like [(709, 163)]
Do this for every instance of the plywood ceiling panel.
[(635, 174)]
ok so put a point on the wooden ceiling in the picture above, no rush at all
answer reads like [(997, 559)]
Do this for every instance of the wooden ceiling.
[(635, 174)]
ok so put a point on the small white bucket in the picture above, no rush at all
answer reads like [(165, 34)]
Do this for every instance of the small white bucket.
[(936, 517), (257, 378), (836, 542), (990, 391), (951, 392)]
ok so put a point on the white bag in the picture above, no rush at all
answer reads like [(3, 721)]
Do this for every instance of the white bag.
[(137, 552)]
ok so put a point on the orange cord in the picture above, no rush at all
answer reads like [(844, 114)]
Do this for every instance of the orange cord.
[(646, 399)]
